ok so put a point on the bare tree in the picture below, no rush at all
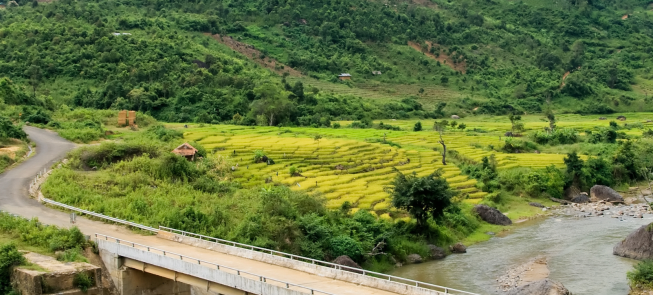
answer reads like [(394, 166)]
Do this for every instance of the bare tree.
[(439, 127)]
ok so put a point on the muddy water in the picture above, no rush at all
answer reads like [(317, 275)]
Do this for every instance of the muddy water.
[(579, 252)]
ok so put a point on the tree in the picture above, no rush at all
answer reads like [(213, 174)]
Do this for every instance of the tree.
[(462, 126), (440, 127), (35, 75), (317, 138), (418, 126), (574, 169), (421, 196), (517, 125), (453, 124), (273, 104), (552, 120)]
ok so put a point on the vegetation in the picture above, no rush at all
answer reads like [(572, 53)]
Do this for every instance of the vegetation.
[(9, 258), (422, 197), (642, 275)]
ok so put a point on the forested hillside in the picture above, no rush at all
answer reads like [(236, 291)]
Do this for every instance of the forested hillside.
[(497, 57)]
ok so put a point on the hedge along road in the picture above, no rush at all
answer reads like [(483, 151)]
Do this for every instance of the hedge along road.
[(50, 148)]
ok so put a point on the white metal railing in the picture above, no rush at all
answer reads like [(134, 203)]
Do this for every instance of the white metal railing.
[(319, 262), (98, 215), (217, 266)]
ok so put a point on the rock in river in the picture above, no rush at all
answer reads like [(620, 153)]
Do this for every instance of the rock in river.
[(437, 252), (458, 248), (543, 287), (582, 198), (638, 244), (414, 258), (491, 215), (602, 192)]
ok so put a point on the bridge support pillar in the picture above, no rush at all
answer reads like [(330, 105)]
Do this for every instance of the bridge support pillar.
[(138, 282)]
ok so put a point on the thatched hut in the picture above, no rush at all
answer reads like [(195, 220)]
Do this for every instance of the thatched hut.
[(186, 150)]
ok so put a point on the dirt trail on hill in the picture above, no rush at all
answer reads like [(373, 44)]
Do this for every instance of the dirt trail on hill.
[(443, 58), (564, 77), (254, 54)]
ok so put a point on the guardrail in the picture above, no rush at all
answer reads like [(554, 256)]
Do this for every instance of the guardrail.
[(217, 266), (98, 215), (319, 262)]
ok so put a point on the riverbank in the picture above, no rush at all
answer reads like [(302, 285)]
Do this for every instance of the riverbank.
[(531, 271), (572, 246)]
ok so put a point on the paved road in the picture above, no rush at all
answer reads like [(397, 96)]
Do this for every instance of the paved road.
[(51, 148)]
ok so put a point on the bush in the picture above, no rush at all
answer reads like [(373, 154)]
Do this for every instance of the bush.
[(335, 125), (642, 274), (162, 133), (33, 233), (559, 136), (83, 281), (9, 258), (418, 126), (344, 245), (518, 146), (9, 130)]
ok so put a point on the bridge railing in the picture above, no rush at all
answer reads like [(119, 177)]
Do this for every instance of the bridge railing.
[(98, 215), (443, 289), (211, 264)]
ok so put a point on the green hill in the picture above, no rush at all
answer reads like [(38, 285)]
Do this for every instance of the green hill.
[(477, 57)]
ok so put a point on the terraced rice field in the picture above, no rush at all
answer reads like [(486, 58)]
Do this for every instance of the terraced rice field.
[(347, 165)]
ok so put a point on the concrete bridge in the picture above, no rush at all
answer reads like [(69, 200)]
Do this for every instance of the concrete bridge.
[(177, 262), (231, 268)]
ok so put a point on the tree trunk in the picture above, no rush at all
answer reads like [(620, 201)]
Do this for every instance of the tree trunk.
[(444, 152), (271, 119)]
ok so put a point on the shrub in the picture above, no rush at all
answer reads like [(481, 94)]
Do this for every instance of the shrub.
[(559, 136), (71, 255), (335, 125), (162, 133), (344, 245), (9, 130), (642, 274), (518, 146), (83, 281), (418, 126), (9, 258)]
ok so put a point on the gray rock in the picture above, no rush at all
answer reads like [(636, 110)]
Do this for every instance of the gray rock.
[(455, 117), (437, 252), (491, 215), (414, 258), (602, 192), (458, 248), (542, 287), (347, 261), (581, 199), (637, 245), (534, 204)]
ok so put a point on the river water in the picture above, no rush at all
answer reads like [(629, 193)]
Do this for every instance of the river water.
[(579, 253)]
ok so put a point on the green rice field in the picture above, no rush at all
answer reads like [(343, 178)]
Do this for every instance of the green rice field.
[(353, 165)]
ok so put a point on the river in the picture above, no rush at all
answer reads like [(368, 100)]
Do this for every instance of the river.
[(579, 253)]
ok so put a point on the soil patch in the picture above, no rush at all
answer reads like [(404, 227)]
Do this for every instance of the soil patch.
[(10, 151), (254, 54), (625, 16), (443, 58), (564, 77)]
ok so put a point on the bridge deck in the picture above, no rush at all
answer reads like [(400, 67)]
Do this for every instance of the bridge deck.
[(90, 227)]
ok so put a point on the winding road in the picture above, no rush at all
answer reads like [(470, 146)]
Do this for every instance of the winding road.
[(50, 148)]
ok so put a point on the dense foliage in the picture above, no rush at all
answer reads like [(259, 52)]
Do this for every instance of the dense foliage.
[(9, 258), (513, 54), (422, 197)]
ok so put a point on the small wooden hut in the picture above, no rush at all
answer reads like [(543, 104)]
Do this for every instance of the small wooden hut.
[(186, 150)]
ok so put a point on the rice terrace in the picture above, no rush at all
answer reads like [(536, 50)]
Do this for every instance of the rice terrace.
[(358, 165)]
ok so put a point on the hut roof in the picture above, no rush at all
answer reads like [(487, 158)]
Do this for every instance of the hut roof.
[(344, 75), (185, 150)]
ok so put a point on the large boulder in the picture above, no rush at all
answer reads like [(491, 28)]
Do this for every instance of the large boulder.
[(582, 198), (414, 258), (637, 245), (347, 261), (604, 193), (542, 287), (458, 248), (437, 252), (491, 215)]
